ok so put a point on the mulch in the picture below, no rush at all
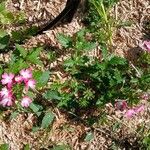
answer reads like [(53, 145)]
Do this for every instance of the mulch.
[(126, 40)]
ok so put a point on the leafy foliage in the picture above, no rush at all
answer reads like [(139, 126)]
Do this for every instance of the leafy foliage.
[(90, 78)]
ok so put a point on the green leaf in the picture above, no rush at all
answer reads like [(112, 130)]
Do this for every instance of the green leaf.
[(33, 57), (14, 115), (146, 141), (4, 41), (3, 33), (115, 60), (116, 126), (4, 147), (61, 147), (31, 31), (52, 95), (35, 129), (64, 40), (2, 7), (22, 51), (47, 119), (18, 36), (117, 76), (85, 45), (26, 147), (104, 52), (1, 70), (42, 79), (37, 74), (15, 67), (31, 94), (89, 137), (9, 16), (35, 107)]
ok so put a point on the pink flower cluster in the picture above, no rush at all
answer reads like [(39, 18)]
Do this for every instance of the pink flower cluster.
[(7, 96), (128, 112), (145, 46)]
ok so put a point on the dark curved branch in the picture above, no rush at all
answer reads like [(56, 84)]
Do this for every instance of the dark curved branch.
[(67, 15)]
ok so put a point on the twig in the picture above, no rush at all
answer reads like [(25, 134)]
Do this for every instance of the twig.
[(21, 4), (138, 73)]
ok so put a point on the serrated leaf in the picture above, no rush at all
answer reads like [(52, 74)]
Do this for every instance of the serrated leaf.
[(37, 74), (84, 45), (89, 137), (13, 115), (15, 67), (65, 41), (33, 57), (31, 31), (47, 119), (18, 36), (115, 60), (22, 51)]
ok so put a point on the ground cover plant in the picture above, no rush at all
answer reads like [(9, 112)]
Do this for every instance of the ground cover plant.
[(91, 83)]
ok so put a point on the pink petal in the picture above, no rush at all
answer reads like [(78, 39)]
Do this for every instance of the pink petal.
[(6, 102), (18, 79), (130, 113), (31, 84), (11, 75), (5, 92), (26, 74), (4, 81), (145, 46), (139, 109), (7, 78), (26, 101), (5, 75)]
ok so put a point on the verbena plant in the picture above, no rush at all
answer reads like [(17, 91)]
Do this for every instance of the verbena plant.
[(91, 82)]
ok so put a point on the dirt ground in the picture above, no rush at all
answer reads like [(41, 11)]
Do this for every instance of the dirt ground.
[(126, 40)]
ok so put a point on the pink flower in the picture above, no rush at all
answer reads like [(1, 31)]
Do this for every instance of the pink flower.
[(18, 79), (26, 101), (121, 105), (130, 113), (7, 79), (6, 101), (5, 92), (139, 109), (30, 84), (146, 45), (26, 74)]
